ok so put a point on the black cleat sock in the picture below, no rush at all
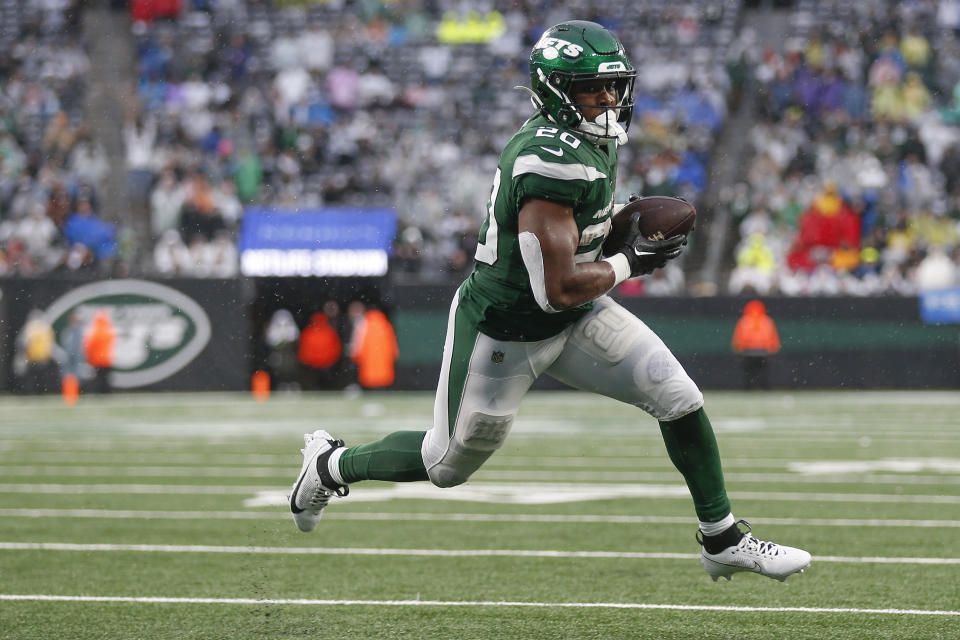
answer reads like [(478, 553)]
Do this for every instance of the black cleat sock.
[(326, 479), (719, 542)]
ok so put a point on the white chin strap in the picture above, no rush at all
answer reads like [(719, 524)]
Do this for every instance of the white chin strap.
[(605, 128)]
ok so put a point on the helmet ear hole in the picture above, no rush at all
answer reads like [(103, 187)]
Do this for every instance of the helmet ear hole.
[(556, 79), (568, 116)]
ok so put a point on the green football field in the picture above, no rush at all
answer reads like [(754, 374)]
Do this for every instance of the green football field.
[(163, 516)]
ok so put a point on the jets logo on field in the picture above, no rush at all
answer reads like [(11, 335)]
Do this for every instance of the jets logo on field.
[(496, 357), (158, 329)]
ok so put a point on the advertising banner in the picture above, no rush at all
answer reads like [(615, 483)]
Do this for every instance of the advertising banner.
[(176, 335), (941, 306), (316, 242)]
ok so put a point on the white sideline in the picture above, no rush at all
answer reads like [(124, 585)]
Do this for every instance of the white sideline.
[(138, 514), (434, 553), (477, 603)]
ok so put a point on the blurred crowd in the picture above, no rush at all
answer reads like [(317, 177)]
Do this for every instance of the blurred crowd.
[(395, 104), (52, 170), (304, 105), (852, 186), (854, 183)]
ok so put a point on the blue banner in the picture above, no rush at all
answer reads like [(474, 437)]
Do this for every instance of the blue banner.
[(316, 242), (941, 306), (328, 228)]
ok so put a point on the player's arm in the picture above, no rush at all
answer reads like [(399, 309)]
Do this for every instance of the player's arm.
[(548, 241)]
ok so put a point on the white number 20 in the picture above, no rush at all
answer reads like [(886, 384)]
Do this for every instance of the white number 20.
[(566, 137)]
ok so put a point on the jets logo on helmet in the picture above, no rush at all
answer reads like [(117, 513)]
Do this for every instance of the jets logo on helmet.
[(578, 51), (554, 47)]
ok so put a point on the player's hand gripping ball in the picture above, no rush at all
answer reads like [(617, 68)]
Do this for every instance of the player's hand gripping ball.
[(661, 217), (650, 231)]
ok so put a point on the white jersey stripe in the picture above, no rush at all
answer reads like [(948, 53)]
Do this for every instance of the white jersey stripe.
[(574, 171)]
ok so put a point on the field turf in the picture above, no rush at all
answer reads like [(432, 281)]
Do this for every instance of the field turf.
[(163, 516)]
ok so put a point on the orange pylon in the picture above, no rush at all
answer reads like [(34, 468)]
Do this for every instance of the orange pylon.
[(70, 389), (260, 385)]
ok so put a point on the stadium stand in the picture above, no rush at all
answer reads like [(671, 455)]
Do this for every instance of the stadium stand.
[(301, 105), (397, 104), (852, 187), (49, 160)]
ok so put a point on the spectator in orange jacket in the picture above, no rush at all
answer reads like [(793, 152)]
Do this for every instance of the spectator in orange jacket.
[(98, 346), (755, 339), (319, 351), (375, 351)]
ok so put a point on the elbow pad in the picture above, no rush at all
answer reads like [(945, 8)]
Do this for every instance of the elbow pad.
[(533, 260)]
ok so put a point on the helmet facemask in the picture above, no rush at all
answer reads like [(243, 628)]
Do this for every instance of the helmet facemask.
[(614, 120)]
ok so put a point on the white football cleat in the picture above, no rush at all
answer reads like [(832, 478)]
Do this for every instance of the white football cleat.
[(766, 558), (313, 488)]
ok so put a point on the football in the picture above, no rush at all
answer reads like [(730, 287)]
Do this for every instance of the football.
[(661, 217)]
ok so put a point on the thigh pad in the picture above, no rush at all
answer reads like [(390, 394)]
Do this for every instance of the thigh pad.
[(609, 334)]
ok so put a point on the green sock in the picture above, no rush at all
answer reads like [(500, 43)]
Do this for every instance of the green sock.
[(692, 447), (396, 457)]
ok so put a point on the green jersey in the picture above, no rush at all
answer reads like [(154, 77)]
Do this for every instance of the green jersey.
[(551, 163)]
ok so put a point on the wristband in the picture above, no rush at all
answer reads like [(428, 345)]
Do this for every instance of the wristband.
[(621, 268)]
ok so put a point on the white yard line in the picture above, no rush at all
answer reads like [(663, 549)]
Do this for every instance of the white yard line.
[(137, 436), (42, 456), (641, 460), (434, 553), (492, 472), (474, 603), (844, 497), (478, 492), (333, 514), (144, 471), (161, 489)]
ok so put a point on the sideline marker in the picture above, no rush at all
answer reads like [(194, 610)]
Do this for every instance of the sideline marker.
[(70, 389), (260, 385)]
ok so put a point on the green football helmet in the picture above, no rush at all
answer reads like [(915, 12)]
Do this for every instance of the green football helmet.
[(573, 52)]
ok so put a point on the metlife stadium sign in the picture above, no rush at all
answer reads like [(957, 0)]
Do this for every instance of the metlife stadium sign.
[(316, 242), (941, 306)]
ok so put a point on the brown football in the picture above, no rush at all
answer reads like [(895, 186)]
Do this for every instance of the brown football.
[(661, 217)]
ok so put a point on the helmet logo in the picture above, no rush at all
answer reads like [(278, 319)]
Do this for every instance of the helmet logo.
[(604, 67), (555, 47)]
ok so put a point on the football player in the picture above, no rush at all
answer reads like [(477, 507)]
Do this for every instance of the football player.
[(536, 304)]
